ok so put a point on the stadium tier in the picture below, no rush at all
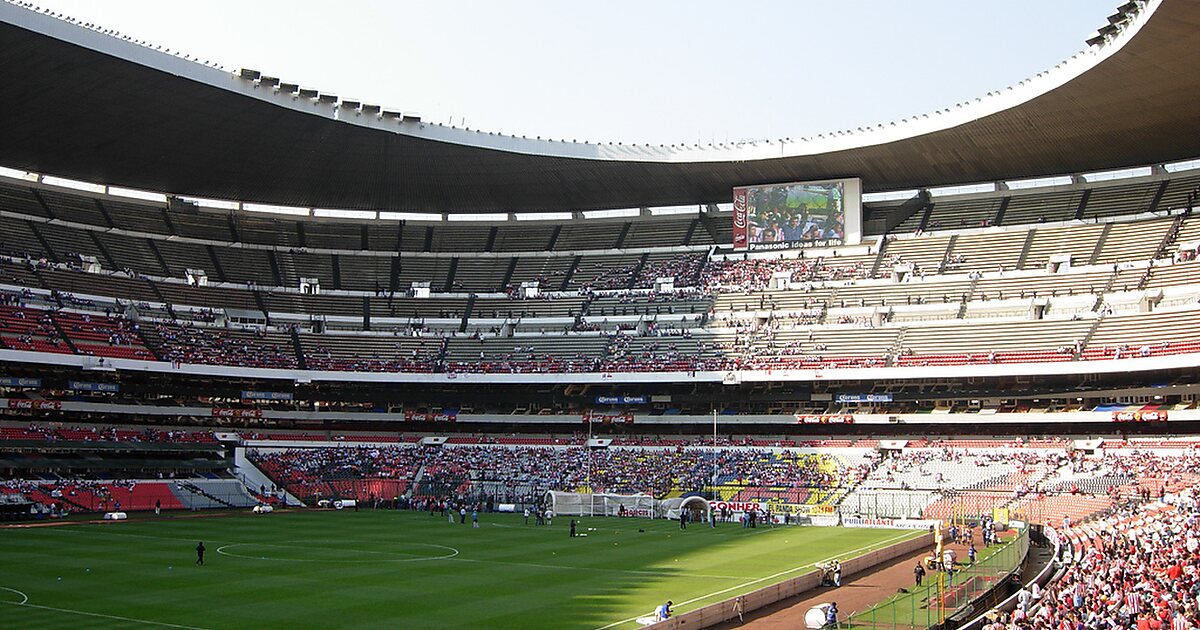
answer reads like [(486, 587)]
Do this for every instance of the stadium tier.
[(262, 292)]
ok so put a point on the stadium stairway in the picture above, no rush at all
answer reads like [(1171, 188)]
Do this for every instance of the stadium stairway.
[(214, 493), (253, 477)]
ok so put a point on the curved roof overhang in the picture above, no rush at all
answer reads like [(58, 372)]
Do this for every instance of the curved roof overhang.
[(90, 106)]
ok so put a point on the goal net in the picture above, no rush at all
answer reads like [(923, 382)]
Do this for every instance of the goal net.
[(600, 504)]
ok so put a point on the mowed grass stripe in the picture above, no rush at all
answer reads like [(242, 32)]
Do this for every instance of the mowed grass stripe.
[(514, 576)]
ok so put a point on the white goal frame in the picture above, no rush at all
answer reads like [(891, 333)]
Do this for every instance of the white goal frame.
[(601, 504)]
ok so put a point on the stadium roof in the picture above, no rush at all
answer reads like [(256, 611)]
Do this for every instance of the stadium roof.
[(92, 106)]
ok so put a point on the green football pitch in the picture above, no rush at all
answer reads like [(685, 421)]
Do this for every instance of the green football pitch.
[(388, 569)]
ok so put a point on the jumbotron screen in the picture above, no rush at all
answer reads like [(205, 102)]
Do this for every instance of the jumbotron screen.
[(781, 216)]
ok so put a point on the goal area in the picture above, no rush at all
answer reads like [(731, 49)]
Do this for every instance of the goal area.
[(601, 504)]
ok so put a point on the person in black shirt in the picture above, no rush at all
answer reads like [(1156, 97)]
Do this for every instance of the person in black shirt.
[(200, 553)]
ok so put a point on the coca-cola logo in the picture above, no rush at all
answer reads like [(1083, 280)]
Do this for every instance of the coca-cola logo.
[(739, 209)]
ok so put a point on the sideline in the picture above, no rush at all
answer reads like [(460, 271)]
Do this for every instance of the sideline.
[(870, 547)]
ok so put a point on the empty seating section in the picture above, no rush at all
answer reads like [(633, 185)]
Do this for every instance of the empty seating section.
[(1174, 275), (293, 266), (989, 250), (1179, 188), (131, 252), (991, 342), (480, 274), (101, 284), (18, 198), (880, 211), (366, 273), (926, 252), (370, 353), (1021, 285), (648, 304), (525, 237), (1154, 334), (181, 256), (138, 217), (406, 307), (423, 269), (658, 232), (557, 353), (1042, 207), (73, 207), (1107, 201), (1137, 240), (68, 244), (915, 291), (383, 236), (460, 238), (249, 266), (326, 303), (950, 214), (207, 296), (413, 238), (588, 237), (1077, 241), (252, 228), (1190, 231), (493, 307), (16, 237), (332, 235), (206, 224)]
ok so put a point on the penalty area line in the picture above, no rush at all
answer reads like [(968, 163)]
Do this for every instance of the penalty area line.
[(24, 603)]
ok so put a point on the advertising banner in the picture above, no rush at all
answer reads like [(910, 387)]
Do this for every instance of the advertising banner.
[(249, 394), (12, 381), (417, 416), (1155, 415), (226, 412), (84, 386), (824, 419), (622, 400), (49, 405), (592, 417), (863, 398)]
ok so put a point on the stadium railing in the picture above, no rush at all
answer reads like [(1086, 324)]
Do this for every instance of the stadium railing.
[(942, 596)]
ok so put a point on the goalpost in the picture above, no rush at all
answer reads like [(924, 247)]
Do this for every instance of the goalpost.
[(600, 504)]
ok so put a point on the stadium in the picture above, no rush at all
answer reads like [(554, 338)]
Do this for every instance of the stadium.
[(393, 373)]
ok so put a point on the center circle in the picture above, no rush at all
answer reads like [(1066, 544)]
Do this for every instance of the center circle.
[(338, 551)]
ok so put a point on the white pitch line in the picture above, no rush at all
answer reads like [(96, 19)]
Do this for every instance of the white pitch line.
[(24, 597), (765, 578), (24, 603)]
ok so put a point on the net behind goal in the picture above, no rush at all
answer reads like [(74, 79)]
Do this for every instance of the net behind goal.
[(600, 504)]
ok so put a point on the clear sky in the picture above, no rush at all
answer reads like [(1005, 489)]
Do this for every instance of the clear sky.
[(625, 70)]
